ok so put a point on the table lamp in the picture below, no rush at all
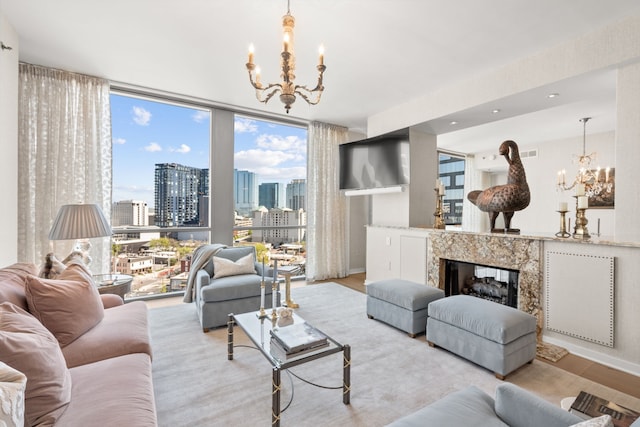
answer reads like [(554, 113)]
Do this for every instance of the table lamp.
[(80, 222)]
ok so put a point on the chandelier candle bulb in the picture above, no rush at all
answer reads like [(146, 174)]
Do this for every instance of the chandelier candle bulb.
[(251, 54), (321, 53)]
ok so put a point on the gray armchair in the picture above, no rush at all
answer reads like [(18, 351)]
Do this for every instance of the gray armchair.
[(216, 298)]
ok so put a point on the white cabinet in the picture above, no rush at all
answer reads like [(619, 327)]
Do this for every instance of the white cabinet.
[(396, 253)]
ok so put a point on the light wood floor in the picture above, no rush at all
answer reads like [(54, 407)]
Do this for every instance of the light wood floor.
[(613, 378), (610, 377)]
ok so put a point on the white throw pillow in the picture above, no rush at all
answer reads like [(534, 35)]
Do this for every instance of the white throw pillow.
[(223, 267), (603, 421), (12, 387)]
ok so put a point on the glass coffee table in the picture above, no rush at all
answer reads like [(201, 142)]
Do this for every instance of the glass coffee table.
[(259, 331)]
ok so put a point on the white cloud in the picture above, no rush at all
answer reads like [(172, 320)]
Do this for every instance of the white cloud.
[(184, 148), (243, 125), (141, 116), (119, 141), (280, 143), (200, 116), (153, 147), (252, 159)]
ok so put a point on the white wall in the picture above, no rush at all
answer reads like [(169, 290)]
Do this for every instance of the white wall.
[(9, 140)]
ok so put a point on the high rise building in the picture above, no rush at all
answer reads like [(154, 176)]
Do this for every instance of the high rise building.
[(278, 218), (245, 192), (178, 192), (271, 195), (296, 194), (129, 212)]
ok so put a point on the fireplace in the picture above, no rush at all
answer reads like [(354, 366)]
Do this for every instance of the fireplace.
[(499, 285), (504, 251)]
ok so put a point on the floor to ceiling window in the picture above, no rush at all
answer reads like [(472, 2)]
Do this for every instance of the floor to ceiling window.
[(451, 172), (270, 171), (160, 210)]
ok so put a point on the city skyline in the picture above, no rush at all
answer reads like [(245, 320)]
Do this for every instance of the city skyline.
[(147, 132)]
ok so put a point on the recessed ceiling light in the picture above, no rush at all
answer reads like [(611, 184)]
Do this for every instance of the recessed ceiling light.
[(453, 122), (553, 95), (495, 111)]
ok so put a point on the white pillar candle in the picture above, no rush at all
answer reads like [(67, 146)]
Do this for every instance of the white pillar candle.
[(274, 286), (562, 206), (580, 189), (583, 202)]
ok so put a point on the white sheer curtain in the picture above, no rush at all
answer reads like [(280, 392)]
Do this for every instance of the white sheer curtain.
[(64, 157), (473, 219), (327, 244)]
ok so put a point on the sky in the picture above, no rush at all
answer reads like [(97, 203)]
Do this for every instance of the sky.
[(148, 132)]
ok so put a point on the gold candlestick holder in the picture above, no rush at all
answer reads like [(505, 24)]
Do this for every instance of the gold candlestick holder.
[(438, 214), (563, 225), (580, 231)]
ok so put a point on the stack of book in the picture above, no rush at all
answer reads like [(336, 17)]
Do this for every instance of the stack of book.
[(295, 340), (588, 406)]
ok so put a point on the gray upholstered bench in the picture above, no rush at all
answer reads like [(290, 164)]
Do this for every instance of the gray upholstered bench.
[(401, 303), (495, 336)]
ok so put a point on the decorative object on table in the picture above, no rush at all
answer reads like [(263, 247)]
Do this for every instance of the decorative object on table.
[(287, 271), (588, 406), (509, 198), (562, 210), (580, 230), (598, 183), (287, 88), (285, 316), (80, 222), (439, 213), (298, 337)]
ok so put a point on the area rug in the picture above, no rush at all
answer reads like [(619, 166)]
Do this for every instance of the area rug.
[(392, 374)]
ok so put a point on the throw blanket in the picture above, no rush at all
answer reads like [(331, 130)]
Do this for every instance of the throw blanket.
[(199, 258)]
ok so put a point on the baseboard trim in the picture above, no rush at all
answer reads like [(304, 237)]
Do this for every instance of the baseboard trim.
[(594, 356)]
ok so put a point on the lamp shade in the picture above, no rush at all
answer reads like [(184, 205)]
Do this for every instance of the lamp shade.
[(82, 221)]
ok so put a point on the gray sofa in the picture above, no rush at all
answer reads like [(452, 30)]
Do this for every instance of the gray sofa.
[(513, 406), (216, 298)]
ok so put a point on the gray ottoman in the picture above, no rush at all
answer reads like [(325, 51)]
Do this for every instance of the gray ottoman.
[(495, 336), (401, 303)]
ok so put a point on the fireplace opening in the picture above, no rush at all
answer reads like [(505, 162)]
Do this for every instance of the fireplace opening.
[(491, 283)]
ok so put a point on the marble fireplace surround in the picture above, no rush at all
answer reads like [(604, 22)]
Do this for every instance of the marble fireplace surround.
[(495, 250)]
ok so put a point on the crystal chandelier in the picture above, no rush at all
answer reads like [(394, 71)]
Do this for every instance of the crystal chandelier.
[(588, 181), (287, 88)]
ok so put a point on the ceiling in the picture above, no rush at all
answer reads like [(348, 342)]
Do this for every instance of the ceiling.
[(378, 53)]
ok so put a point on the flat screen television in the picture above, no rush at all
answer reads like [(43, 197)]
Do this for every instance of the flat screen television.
[(378, 162)]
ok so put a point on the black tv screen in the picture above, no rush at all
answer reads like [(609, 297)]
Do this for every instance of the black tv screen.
[(378, 162)]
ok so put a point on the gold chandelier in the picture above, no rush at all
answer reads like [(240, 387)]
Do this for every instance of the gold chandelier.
[(588, 181), (287, 88)]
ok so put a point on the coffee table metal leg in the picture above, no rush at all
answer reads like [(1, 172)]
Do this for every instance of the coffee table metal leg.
[(230, 337), (346, 374), (275, 398)]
